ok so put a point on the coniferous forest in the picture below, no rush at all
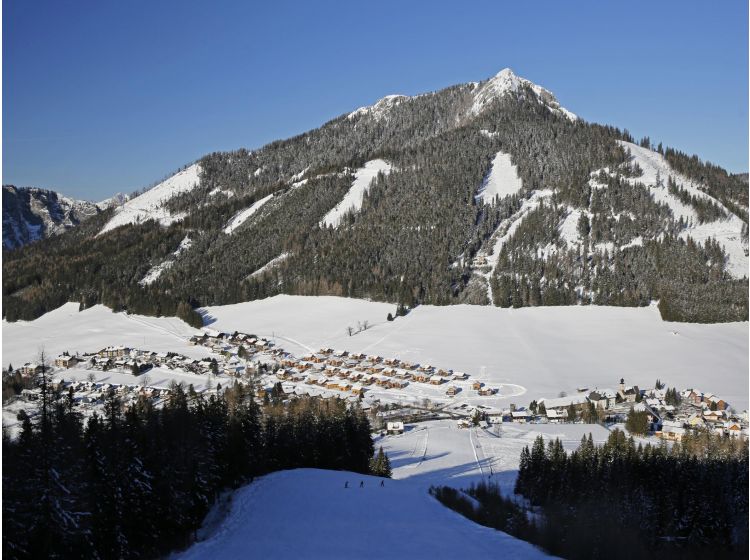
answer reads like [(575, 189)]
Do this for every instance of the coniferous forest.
[(137, 483), (621, 500)]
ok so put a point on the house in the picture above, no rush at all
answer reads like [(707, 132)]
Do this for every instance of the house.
[(556, 416), (436, 380), (713, 415), (520, 416), (477, 385), (695, 421), (463, 423), (398, 383), (495, 417), (459, 376), (29, 369), (671, 432), (395, 427), (732, 429), (421, 376), (715, 402), (487, 391), (452, 391), (603, 398), (65, 361), (358, 390), (693, 397)]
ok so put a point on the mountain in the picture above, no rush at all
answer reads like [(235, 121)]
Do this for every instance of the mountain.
[(31, 214), (483, 193)]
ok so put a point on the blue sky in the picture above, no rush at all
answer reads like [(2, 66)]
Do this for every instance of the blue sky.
[(100, 97)]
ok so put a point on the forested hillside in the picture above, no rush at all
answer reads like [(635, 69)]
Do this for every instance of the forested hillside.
[(598, 219)]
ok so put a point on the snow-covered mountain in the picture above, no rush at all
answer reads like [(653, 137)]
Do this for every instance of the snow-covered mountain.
[(487, 193), (30, 214)]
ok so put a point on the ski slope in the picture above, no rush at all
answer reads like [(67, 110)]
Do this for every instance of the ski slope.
[(352, 201), (150, 205), (307, 513), (543, 349), (727, 232), (501, 181)]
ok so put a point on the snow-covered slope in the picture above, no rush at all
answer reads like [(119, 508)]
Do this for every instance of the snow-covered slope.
[(352, 200), (728, 232), (150, 205), (241, 217), (67, 329), (501, 181), (543, 349), (507, 82), (380, 109), (308, 513)]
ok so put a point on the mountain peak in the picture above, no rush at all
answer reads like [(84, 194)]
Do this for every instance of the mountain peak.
[(506, 81)]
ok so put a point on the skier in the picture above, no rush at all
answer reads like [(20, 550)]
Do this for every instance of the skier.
[(382, 483), (346, 484), (361, 483)]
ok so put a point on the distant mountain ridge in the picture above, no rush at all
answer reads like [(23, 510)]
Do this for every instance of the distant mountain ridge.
[(31, 214), (487, 193)]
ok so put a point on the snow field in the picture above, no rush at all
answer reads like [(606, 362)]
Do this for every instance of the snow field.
[(542, 349)]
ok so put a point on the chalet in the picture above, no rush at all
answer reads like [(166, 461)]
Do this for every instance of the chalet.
[(403, 374), (436, 380), (395, 427), (495, 417), (326, 351), (421, 376), (520, 416), (298, 376), (31, 394), (356, 375), (477, 385), (114, 351), (487, 391), (693, 397), (393, 362), (398, 383), (331, 384), (603, 398), (358, 390), (715, 402), (367, 379), (695, 421), (556, 416), (390, 372), (713, 415), (318, 358), (459, 376), (336, 361), (282, 374), (463, 423), (732, 429), (65, 361), (28, 369), (671, 432), (375, 359), (382, 381), (452, 391), (628, 394), (344, 385)]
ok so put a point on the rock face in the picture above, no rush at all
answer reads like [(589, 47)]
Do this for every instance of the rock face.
[(30, 214)]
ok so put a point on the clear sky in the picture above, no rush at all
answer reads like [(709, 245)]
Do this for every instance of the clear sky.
[(101, 97)]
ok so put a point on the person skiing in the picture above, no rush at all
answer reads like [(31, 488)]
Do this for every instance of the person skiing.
[(361, 483), (382, 483), (346, 484)]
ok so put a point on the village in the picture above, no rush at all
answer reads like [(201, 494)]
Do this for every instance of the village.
[(397, 391)]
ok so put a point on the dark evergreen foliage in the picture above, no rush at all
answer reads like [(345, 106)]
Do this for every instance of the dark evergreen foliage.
[(137, 483)]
